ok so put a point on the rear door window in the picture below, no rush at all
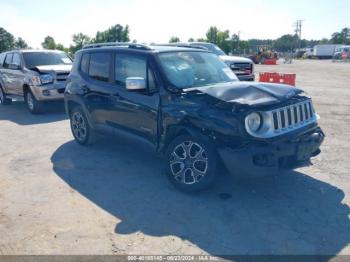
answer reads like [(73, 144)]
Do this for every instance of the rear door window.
[(8, 60), (16, 59), (99, 66)]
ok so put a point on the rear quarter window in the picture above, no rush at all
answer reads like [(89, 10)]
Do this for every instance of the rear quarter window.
[(2, 58), (99, 66), (84, 64)]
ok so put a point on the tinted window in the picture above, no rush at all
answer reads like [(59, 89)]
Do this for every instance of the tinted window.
[(84, 65), (2, 59), (99, 66), (16, 59), (34, 59), (129, 66), (8, 60), (133, 66)]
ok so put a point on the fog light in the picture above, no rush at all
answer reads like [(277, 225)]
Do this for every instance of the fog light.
[(46, 92)]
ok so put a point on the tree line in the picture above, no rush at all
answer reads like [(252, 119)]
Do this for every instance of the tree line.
[(230, 43)]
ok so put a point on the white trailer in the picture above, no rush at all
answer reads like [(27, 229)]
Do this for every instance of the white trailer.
[(324, 51)]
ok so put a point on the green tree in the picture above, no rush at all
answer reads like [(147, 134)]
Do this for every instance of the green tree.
[(79, 41), (190, 39), (285, 43), (342, 37), (212, 34), (116, 33), (49, 43), (20, 43), (7, 41), (174, 39)]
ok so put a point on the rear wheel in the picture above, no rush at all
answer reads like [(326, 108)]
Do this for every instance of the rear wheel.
[(191, 163), (80, 127), (33, 105), (3, 99)]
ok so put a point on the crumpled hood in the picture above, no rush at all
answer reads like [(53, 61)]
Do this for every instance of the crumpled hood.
[(237, 59), (250, 93), (54, 68)]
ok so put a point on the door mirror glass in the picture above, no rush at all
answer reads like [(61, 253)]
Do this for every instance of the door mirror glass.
[(135, 83), (14, 67)]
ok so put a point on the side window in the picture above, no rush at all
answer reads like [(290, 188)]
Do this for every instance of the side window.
[(99, 66), (16, 59), (2, 59), (8, 60), (84, 64), (133, 66)]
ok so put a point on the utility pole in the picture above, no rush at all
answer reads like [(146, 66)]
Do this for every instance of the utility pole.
[(298, 25)]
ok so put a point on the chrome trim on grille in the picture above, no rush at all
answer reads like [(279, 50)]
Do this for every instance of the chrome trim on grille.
[(277, 122)]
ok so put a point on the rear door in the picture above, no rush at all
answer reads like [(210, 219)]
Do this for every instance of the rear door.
[(7, 75), (17, 74), (96, 68), (134, 111)]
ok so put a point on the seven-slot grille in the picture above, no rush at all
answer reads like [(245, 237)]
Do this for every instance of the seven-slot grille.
[(293, 115), (241, 67), (62, 76)]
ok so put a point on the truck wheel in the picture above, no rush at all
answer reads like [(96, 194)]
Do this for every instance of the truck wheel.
[(191, 163), (81, 129), (33, 105), (3, 99)]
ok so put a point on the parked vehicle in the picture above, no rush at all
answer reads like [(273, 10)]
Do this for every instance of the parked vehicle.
[(342, 53), (35, 76), (324, 51), (190, 106), (241, 66)]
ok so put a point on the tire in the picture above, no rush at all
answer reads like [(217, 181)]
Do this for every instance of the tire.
[(3, 99), (191, 164), (34, 106), (80, 127)]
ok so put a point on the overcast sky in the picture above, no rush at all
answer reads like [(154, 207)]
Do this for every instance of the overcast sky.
[(158, 20)]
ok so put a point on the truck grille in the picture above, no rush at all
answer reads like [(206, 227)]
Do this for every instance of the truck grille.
[(62, 76), (243, 68), (293, 116)]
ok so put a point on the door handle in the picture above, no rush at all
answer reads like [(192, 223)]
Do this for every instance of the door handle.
[(85, 89), (115, 97)]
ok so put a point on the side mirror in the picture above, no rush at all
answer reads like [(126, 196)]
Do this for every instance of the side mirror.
[(135, 83), (14, 67)]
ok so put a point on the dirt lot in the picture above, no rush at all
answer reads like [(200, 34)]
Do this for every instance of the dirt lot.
[(57, 197)]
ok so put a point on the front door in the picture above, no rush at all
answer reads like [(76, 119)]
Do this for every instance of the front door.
[(134, 111)]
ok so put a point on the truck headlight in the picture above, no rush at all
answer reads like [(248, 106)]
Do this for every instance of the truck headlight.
[(253, 122), (46, 79)]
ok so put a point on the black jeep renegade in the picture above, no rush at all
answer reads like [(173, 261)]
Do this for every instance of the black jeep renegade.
[(191, 107)]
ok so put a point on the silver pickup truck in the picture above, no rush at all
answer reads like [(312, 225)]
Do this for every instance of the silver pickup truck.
[(36, 76)]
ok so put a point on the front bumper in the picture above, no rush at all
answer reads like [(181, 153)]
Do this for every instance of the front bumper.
[(246, 77), (49, 92), (269, 158)]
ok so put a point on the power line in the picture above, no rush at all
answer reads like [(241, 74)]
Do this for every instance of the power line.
[(298, 25)]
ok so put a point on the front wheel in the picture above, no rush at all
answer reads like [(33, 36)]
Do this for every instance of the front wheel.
[(33, 105), (191, 163)]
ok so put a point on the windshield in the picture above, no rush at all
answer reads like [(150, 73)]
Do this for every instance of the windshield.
[(33, 59), (212, 48), (195, 69)]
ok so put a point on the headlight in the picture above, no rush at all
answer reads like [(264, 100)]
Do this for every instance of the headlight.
[(41, 80), (46, 79), (253, 122)]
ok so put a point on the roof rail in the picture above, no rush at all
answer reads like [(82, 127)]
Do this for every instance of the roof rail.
[(187, 45), (122, 44)]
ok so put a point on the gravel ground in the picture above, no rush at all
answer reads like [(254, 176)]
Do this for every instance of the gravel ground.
[(57, 197)]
